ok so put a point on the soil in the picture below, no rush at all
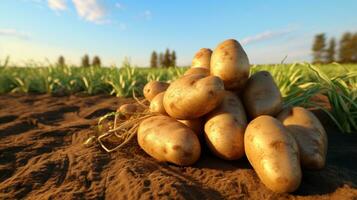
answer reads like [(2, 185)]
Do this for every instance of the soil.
[(42, 156)]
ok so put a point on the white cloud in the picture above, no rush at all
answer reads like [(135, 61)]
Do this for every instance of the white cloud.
[(14, 33), (91, 10), (266, 35), (57, 4), (295, 49)]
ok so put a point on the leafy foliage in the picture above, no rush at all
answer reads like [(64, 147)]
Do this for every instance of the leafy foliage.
[(298, 83)]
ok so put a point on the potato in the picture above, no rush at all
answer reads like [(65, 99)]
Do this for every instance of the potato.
[(310, 136), (273, 153), (230, 63), (168, 140), (202, 58), (261, 95), (193, 96), (224, 128), (197, 70), (157, 105), (152, 88), (194, 124), (127, 109)]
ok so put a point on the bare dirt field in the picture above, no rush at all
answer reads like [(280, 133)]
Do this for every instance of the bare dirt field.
[(42, 157)]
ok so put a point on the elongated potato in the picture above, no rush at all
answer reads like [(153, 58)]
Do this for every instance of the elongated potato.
[(193, 96), (224, 128), (309, 134), (197, 70), (168, 140), (202, 58), (262, 96), (273, 153), (230, 63), (195, 124), (157, 104), (152, 88)]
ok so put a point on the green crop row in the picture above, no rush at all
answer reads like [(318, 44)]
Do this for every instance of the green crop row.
[(297, 82)]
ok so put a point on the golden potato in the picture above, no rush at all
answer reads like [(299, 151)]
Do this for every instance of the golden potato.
[(193, 96), (157, 105), (230, 63), (168, 140), (273, 153), (310, 136), (202, 58), (197, 70), (262, 96), (194, 124), (224, 128), (152, 88), (128, 109)]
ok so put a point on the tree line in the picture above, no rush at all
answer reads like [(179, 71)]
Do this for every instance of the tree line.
[(85, 62), (164, 60), (328, 53)]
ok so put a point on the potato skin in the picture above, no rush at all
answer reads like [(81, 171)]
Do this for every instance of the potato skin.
[(157, 105), (168, 140), (127, 109), (193, 96), (197, 70), (224, 128), (202, 58), (230, 62), (273, 153), (262, 96), (194, 124), (310, 136), (152, 88)]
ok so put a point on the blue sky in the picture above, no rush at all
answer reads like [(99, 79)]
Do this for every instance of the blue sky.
[(41, 30)]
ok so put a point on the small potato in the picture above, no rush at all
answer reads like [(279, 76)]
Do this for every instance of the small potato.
[(262, 96), (157, 105), (152, 88), (224, 128), (168, 140), (193, 96), (273, 153), (202, 58), (127, 109), (197, 70), (310, 135), (230, 63), (194, 124)]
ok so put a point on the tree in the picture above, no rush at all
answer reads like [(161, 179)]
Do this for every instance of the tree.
[(153, 61), (346, 48), (96, 61), (318, 48), (161, 60), (167, 58), (330, 51), (173, 59), (354, 48), (61, 62), (85, 61)]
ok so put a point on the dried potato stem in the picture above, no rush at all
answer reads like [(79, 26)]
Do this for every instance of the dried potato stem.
[(126, 129)]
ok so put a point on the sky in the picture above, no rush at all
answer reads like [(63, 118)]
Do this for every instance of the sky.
[(115, 30)]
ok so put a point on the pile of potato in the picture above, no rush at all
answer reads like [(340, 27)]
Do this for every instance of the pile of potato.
[(216, 103)]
